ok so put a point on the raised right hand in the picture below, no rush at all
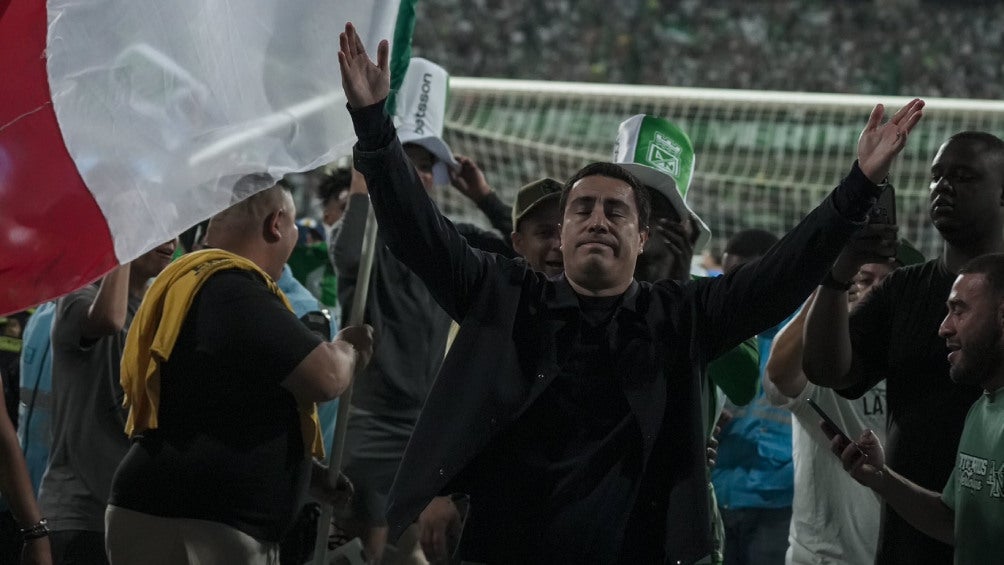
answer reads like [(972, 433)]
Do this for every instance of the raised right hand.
[(364, 82), (879, 143)]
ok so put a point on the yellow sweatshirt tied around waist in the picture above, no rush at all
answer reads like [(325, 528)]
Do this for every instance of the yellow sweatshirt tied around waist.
[(155, 330)]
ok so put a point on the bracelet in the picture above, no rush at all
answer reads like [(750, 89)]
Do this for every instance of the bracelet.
[(35, 531), (832, 283)]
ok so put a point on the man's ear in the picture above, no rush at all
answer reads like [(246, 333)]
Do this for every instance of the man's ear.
[(270, 228), (643, 235), (517, 242)]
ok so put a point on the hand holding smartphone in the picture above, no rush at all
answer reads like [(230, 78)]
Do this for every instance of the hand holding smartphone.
[(884, 210), (833, 425)]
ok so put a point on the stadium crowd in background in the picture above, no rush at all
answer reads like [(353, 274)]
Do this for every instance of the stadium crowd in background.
[(570, 413), (787, 45)]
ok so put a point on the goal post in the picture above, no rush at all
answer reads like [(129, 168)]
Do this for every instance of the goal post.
[(763, 159)]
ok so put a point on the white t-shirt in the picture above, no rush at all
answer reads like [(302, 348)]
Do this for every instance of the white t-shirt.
[(834, 519)]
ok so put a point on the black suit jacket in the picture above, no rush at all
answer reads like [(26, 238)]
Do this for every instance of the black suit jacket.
[(511, 316)]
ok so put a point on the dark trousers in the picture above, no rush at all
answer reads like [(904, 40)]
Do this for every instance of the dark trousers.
[(756, 536), (78, 547)]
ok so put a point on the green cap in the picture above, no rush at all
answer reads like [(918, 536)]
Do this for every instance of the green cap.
[(531, 195)]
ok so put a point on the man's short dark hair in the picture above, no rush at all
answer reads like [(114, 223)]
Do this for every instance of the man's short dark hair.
[(750, 243), (991, 266), (614, 171), (334, 184), (990, 144)]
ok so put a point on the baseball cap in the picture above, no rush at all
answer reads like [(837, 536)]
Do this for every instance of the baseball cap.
[(420, 113), (532, 195)]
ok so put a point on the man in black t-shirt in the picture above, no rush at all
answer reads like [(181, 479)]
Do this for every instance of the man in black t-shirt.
[(893, 334), (221, 458)]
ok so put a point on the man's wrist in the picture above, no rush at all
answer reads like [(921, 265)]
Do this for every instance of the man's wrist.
[(829, 281), (880, 484), (35, 531)]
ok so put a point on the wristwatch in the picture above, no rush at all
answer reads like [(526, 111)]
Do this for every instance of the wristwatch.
[(830, 282)]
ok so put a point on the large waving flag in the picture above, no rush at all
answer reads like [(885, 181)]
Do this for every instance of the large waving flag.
[(124, 122)]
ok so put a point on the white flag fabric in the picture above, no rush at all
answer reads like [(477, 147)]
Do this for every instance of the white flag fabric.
[(160, 107)]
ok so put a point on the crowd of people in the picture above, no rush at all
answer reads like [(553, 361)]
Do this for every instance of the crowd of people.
[(558, 389), (787, 45)]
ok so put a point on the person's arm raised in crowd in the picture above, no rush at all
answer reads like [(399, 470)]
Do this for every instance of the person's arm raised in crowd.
[(774, 286), (16, 489), (327, 371), (828, 357), (470, 181), (411, 225), (107, 313), (922, 508), (783, 372), (347, 241)]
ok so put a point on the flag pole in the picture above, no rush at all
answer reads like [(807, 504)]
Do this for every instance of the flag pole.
[(337, 446)]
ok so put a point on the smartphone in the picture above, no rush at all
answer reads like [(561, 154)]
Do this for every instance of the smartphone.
[(884, 210), (826, 418)]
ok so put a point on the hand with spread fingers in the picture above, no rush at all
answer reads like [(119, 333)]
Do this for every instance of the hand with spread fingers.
[(364, 82), (881, 142)]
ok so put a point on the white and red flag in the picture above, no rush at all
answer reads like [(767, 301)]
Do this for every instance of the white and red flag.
[(124, 122)]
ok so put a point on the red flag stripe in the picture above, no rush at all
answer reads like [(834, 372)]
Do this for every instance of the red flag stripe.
[(53, 237)]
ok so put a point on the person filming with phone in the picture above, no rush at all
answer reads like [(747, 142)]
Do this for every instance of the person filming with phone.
[(893, 333), (968, 513)]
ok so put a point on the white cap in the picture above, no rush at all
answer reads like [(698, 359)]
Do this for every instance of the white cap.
[(421, 113)]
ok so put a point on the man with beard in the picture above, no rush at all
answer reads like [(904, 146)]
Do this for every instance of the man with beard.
[(893, 333), (969, 512)]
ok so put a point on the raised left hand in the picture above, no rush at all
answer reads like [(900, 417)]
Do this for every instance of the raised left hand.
[(879, 143)]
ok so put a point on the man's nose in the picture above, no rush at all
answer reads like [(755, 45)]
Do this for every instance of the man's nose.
[(942, 186), (598, 221)]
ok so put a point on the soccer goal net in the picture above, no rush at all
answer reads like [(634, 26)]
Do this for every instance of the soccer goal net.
[(763, 159)]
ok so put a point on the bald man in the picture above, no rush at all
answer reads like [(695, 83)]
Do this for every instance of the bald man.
[(221, 457)]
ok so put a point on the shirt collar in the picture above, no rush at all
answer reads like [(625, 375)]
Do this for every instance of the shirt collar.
[(559, 295)]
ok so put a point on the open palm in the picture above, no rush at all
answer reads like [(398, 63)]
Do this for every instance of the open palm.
[(364, 82), (880, 143)]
